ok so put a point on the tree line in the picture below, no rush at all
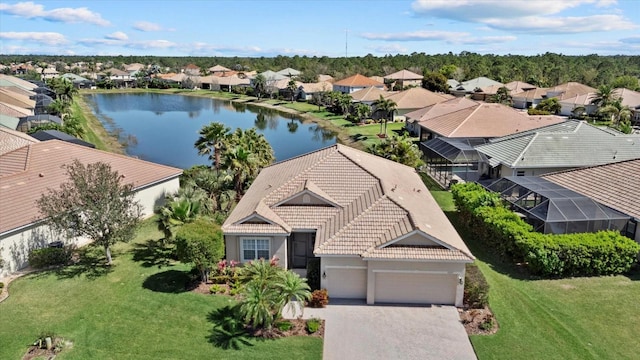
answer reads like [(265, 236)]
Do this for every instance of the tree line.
[(546, 69)]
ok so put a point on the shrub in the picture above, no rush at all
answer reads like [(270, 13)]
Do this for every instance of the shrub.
[(284, 325), (487, 324), (50, 256), (313, 325), (217, 289), (313, 273), (319, 299), (581, 254), (200, 242), (476, 288)]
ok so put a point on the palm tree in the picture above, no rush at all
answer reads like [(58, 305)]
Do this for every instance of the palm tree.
[(292, 287), (175, 214), (211, 142), (242, 163), (388, 108), (292, 87), (604, 96), (616, 113), (502, 96), (217, 185), (259, 85), (59, 108), (362, 111), (344, 103)]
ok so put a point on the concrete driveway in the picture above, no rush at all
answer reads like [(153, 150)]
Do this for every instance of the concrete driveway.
[(358, 331)]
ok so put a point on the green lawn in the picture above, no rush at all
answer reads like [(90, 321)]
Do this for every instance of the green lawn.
[(139, 310), (577, 318)]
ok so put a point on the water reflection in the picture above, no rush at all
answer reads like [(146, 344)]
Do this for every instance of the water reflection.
[(163, 128)]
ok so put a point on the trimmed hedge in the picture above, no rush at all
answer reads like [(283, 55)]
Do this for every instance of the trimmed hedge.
[(582, 254), (50, 256), (476, 288)]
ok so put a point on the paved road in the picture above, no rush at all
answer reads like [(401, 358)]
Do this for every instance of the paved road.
[(392, 332)]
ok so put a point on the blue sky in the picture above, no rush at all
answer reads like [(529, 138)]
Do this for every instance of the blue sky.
[(319, 28)]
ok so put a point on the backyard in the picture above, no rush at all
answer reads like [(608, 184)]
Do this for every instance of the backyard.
[(573, 318), (139, 309)]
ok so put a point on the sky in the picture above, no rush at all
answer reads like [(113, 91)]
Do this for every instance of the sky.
[(333, 28)]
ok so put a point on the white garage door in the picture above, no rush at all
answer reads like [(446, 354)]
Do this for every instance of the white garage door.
[(415, 288), (347, 283)]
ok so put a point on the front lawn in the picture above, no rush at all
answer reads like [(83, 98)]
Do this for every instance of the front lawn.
[(575, 318), (138, 310)]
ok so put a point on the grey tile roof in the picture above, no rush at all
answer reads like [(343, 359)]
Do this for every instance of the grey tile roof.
[(614, 185), (370, 201), (577, 144)]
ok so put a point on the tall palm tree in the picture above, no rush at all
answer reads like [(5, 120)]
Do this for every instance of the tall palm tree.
[(362, 111), (242, 163), (211, 142), (259, 85), (292, 87), (388, 108)]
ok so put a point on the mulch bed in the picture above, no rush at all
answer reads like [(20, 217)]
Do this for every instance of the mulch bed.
[(478, 321), (37, 352)]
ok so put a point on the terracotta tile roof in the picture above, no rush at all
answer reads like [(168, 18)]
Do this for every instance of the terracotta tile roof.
[(404, 75), (317, 87), (13, 110), (358, 80), (20, 91), (369, 201), (417, 98), (461, 117), (11, 140), (614, 185), (514, 87), (569, 90), (29, 171), (629, 98), (532, 94)]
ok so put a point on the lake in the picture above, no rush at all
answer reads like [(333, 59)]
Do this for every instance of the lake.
[(162, 128)]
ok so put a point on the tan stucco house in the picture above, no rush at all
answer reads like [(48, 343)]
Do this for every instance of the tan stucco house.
[(377, 230)]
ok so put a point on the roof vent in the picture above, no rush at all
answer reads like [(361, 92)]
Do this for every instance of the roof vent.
[(41, 175)]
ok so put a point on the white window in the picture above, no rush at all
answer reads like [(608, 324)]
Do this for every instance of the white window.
[(255, 248)]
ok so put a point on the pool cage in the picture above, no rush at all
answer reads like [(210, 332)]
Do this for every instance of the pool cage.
[(452, 160), (551, 208)]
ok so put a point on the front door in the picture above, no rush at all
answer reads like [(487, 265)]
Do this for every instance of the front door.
[(301, 249)]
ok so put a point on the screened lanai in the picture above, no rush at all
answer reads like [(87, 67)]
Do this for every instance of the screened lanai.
[(450, 159), (551, 208)]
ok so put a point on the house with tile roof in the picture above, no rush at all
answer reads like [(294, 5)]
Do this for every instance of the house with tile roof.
[(369, 95), (28, 168), (568, 145), (404, 78), (376, 229), (614, 185), (464, 118), (532, 98), (414, 99), (356, 82), (472, 86), (513, 87)]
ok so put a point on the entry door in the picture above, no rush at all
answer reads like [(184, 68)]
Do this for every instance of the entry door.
[(302, 249)]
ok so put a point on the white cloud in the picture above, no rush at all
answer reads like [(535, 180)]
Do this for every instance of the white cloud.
[(147, 26), (31, 10), (525, 15), (391, 49), (118, 35), (48, 38), (450, 37), (151, 44)]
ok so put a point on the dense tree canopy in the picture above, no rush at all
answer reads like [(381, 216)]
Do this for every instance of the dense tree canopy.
[(542, 70)]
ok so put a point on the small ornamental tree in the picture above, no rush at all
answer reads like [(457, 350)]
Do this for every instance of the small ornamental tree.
[(92, 203), (200, 242), (399, 149)]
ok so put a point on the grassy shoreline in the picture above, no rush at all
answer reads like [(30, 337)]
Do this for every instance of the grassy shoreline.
[(346, 133)]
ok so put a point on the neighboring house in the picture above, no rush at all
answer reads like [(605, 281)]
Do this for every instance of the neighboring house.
[(513, 87), (49, 73), (14, 111), (415, 98), (532, 98), (12, 98), (369, 95), (226, 83), (614, 185), (404, 78), (376, 229), (135, 67), (324, 77), (355, 83), (465, 118), (11, 140), (28, 171), (119, 77), (20, 91), (79, 81), (191, 69), (568, 145), (472, 86), (289, 72), (306, 91), (218, 70), (29, 122)]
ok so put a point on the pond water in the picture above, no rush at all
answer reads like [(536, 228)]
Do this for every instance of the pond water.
[(163, 128)]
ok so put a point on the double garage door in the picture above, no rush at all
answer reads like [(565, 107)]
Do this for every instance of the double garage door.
[(393, 287)]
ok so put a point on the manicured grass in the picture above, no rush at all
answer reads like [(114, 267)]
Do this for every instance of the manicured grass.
[(94, 132), (138, 310), (576, 318)]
